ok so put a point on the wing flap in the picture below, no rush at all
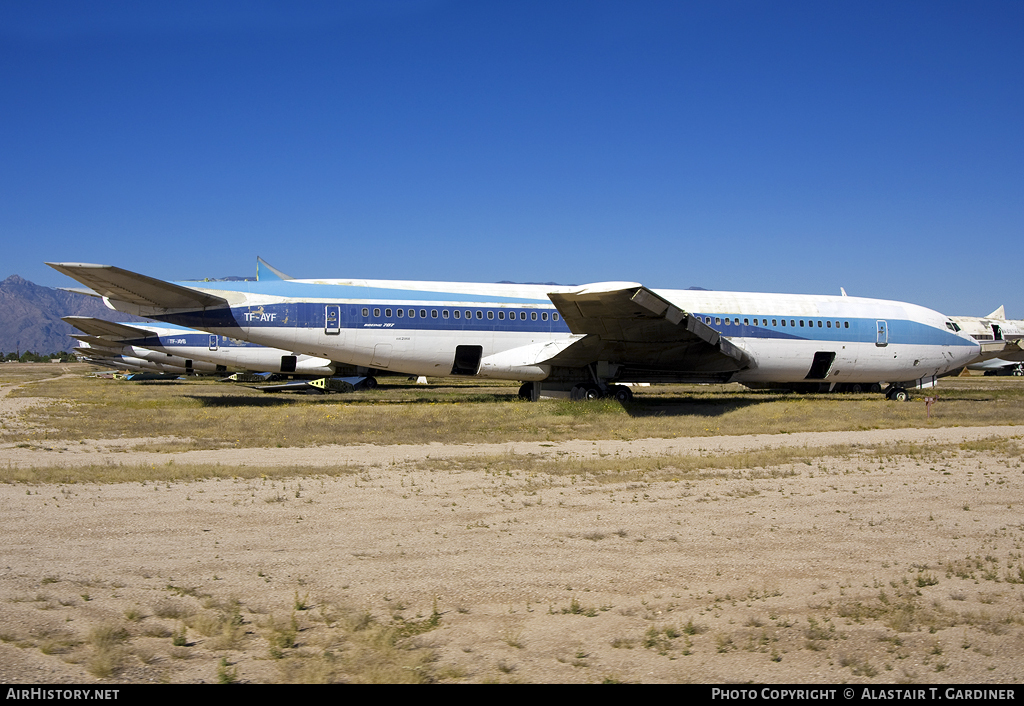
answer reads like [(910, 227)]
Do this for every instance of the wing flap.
[(126, 286), (629, 324)]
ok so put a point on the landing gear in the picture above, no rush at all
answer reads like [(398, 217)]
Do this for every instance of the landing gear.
[(591, 391), (897, 394), (621, 393), (585, 391)]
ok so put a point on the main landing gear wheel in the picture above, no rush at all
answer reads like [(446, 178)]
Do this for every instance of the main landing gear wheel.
[(526, 391), (897, 394), (369, 383), (583, 392), (621, 393)]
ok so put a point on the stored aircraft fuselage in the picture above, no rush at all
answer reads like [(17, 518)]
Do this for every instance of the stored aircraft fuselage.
[(560, 336)]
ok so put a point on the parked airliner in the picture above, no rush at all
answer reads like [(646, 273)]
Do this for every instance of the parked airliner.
[(1001, 342), (575, 340), (195, 351)]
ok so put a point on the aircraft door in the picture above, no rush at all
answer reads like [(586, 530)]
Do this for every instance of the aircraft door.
[(881, 333), (821, 365), (332, 320), (213, 342), (467, 360)]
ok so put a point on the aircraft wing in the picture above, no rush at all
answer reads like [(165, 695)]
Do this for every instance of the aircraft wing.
[(109, 329), (123, 285), (629, 324)]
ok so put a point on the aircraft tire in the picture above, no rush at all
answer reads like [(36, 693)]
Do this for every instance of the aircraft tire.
[(526, 391), (369, 383), (583, 392), (898, 394), (622, 393)]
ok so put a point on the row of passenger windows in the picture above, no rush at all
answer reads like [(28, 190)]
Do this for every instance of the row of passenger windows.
[(459, 313), (775, 322)]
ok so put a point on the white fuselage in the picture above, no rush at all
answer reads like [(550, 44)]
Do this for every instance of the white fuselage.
[(417, 327)]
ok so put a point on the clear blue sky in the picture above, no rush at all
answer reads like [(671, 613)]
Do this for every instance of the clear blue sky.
[(745, 145)]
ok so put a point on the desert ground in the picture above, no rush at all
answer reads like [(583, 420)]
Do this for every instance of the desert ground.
[(857, 555)]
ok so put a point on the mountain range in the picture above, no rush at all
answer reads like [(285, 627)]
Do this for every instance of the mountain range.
[(30, 316)]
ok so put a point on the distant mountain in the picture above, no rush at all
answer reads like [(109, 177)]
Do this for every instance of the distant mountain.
[(30, 316)]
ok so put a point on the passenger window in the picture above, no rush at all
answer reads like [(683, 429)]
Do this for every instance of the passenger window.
[(433, 313), (522, 315), (501, 315), (399, 313), (469, 314), (479, 314), (544, 316), (783, 322), (819, 324), (387, 313), (718, 320), (366, 312), (423, 313), (490, 314), (444, 313), (554, 317), (458, 314), (828, 324), (376, 313), (774, 322)]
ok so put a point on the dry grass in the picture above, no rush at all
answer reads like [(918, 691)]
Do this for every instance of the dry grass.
[(203, 414)]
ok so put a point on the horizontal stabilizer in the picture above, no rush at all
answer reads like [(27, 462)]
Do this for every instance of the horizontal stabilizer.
[(96, 342), (106, 329), (125, 286), (79, 290)]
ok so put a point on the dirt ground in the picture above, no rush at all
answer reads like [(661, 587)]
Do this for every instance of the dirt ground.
[(863, 568)]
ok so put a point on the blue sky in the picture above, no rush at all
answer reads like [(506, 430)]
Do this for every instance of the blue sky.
[(734, 145)]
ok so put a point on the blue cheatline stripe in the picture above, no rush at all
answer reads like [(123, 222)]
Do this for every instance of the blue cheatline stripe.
[(860, 330), (190, 340), (313, 316)]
